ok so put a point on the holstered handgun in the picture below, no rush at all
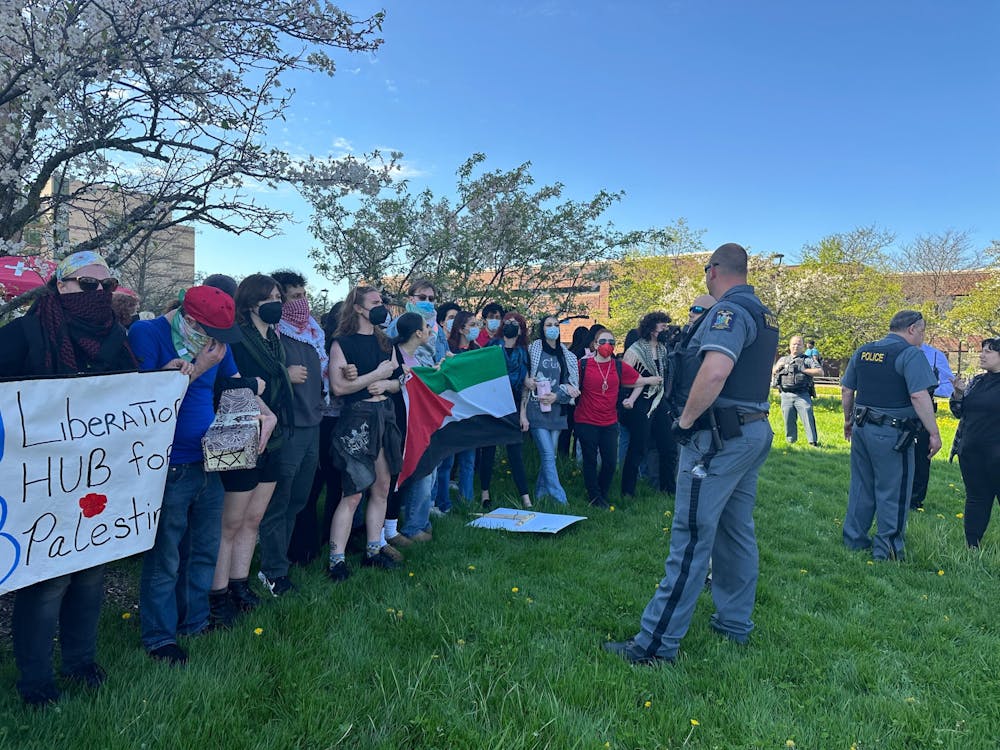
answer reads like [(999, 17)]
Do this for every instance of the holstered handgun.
[(860, 416), (716, 432), (906, 437)]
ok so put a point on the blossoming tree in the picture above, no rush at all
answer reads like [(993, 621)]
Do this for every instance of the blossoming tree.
[(155, 112)]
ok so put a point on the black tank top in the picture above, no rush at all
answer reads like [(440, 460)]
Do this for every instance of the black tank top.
[(362, 351)]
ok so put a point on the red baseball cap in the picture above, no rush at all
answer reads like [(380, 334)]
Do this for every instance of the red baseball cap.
[(214, 311)]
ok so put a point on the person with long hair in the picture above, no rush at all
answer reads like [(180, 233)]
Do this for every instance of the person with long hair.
[(248, 491), (366, 443), (71, 328), (646, 412), (603, 378), (413, 335), (550, 386), (977, 444), (512, 338), (580, 346)]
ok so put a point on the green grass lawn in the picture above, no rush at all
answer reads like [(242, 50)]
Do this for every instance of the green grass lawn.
[(490, 640)]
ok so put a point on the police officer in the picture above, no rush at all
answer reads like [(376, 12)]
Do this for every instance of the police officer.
[(794, 377), (722, 393), (885, 397)]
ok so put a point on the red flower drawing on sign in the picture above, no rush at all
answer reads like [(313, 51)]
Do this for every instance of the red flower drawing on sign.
[(93, 504)]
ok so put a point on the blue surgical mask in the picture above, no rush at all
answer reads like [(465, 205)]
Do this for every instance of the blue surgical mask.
[(493, 325), (448, 324), (473, 333), (425, 308), (552, 332)]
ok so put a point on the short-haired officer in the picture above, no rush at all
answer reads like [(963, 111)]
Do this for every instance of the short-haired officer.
[(794, 375), (722, 384), (884, 393)]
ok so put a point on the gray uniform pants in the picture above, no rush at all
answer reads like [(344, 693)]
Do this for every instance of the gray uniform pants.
[(881, 482), (796, 406), (298, 459), (713, 517)]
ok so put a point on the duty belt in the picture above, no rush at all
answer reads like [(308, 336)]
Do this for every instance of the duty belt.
[(863, 416), (704, 423)]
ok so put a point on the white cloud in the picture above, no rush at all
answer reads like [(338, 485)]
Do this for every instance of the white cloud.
[(342, 144)]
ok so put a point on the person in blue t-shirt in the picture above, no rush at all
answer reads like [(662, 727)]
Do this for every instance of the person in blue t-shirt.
[(177, 571)]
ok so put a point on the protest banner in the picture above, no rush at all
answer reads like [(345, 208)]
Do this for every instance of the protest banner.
[(83, 464), (524, 521)]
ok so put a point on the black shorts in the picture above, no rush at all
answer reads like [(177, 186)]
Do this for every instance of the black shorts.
[(244, 480), (365, 429)]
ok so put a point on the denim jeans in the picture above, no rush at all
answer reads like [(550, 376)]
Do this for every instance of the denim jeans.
[(547, 441), (177, 572), (73, 602), (297, 468), (466, 474), (442, 497), (417, 504)]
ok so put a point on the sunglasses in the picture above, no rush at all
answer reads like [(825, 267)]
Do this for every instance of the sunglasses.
[(606, 341), (90, 284), (697, 309), (425, 297)]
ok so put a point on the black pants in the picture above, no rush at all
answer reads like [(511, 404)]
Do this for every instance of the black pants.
[(308, 535), (981, 474), (566, 436), (594, 439), (515, 457), (646, 432), (921, 469)]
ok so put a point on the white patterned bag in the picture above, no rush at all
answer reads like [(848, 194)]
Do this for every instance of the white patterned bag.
[(231, 440)]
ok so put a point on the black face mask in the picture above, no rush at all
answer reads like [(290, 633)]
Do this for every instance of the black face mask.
[(511, 330), (378, 315), (270, 312), (663, 337)]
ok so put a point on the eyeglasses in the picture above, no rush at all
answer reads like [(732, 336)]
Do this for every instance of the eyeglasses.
[(425, 297), (709, 266), (606, 341), (697, 309), (90, 284)]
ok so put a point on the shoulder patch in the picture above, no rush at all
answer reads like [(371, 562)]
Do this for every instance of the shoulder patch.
[(723, 321)]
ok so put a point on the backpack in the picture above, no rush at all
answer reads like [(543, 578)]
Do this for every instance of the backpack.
[(622, 395)]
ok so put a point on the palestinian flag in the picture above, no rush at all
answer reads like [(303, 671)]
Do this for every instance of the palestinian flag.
[(466, 403)]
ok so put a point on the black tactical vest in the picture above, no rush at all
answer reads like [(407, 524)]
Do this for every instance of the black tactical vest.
[(750, 379), (879, 385)]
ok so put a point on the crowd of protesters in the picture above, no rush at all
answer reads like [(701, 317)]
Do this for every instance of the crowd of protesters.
[(333, 426)]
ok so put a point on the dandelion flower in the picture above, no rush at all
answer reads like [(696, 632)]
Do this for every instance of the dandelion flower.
[(612, 509), (911, 699), (460, 641), (647, 704), (695, 723), (940, 515), (803, 571), (126, 615), (258, 631), (789, 743), (412, 574), (870, 562), (472, 567), (959, 515), (920, 510), (940, 572), (515, 589)]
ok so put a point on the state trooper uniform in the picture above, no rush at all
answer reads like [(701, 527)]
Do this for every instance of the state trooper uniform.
[(883, 374), (717, 478)]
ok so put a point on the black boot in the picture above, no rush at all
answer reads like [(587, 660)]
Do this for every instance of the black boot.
[(243, 598), (221, 610)]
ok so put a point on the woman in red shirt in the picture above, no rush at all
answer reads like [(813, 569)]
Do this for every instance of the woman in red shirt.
[(596, 416)]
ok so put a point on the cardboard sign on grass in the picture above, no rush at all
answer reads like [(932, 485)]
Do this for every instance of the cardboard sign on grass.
[(83, 463), (530, 521)]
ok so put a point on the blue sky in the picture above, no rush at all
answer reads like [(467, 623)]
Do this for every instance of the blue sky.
[(770, 123)]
